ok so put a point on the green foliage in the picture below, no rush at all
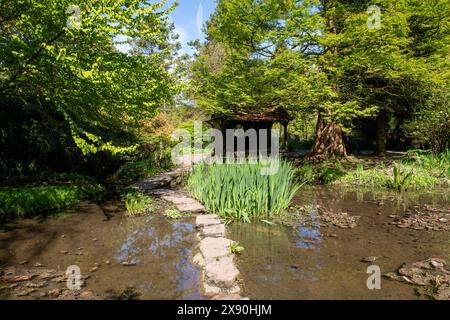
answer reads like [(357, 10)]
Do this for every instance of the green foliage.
[(236, 248), (317, 174), (430, 126), (175, 214), (138, 203), (23, 201), (78, 71), (400, 179), (241, 191), (136, 170), (420, 170), (320, 57)]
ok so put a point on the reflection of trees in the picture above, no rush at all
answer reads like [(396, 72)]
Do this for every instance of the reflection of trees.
[(162, 245)]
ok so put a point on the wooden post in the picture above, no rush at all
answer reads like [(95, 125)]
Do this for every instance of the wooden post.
[(285, 139)]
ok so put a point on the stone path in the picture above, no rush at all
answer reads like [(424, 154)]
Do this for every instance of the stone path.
[(181, 201), (214, 257), (220, 275)]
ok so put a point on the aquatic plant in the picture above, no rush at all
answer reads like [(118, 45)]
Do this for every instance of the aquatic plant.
[(241, 191), (20, 201), (400, 179), (236, 248), (174, 214), (138, 203)]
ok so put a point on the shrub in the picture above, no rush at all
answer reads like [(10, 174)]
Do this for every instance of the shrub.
[(241, 191)]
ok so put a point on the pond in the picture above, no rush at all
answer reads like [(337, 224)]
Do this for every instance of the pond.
[(144, 257), (316, 262), (150, 257)]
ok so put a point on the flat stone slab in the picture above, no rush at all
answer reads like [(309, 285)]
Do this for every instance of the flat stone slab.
[(182, 202), (162, 180), (207, 220), (194, 207), (156, 182), (221, 272), (214, 230), (212, 248)]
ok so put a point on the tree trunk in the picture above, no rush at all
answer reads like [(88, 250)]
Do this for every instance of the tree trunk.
[(329, 140), (381, 135)]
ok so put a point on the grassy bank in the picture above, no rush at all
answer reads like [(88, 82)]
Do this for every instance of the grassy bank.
[(241, 191), (26, 200), (415, 171)]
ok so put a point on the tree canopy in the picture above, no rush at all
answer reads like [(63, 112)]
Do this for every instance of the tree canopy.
[(331, 57), (64, 55)]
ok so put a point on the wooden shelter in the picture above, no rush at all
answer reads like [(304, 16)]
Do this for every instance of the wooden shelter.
[(252, 118)]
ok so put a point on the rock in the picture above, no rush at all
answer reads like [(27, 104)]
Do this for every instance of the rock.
[(35, 285), (207, 220), (94, 269), (64, 252), (23, 262), (217, 230), (56, 292), (221, 272), (437, 263), (26, 292), (443, 293), (369, 259), (38, 265), (9, 287), (194, 207), (215, 247), (86, 295), (128, 264), (108, 262), (211, 290), (330, 235), (199, 260), (22, 278)]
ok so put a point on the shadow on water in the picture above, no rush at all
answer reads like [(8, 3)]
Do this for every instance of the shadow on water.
[(138, 258), (305, 263)]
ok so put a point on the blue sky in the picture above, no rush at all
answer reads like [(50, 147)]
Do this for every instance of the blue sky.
[(185, 19), (189, 18)]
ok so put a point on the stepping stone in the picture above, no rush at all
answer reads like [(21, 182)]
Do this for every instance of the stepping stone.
[(212, 248), (207, 220), (193, 207), (215, 230), (221, 272), (178, 199)]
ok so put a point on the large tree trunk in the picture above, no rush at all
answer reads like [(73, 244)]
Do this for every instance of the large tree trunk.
[(381, 134), (329, 140)]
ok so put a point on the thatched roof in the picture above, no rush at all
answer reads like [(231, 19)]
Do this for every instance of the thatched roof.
[(276, 114)]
